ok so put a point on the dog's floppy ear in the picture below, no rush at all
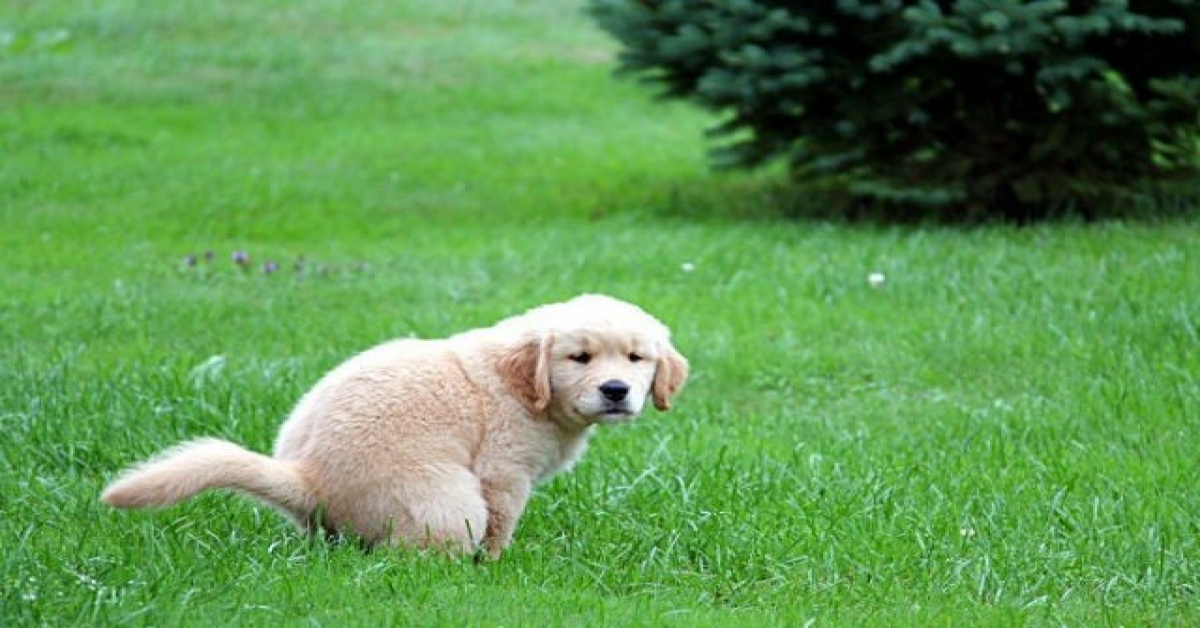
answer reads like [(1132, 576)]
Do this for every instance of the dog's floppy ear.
[(526, 370), (671, 372)]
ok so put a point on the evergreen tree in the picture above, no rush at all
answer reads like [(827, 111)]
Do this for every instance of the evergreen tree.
[(983, 106)]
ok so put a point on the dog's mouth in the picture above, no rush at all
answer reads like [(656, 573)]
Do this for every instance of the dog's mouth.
[(616, 407), (616, 411), (605, 410)]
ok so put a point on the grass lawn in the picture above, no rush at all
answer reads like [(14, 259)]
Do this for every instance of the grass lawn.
[(1004, 433)]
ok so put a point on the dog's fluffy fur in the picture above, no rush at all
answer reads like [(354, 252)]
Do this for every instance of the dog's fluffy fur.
[(438, 443)]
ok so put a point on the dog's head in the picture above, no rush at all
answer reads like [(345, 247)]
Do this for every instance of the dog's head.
[(593, 359)]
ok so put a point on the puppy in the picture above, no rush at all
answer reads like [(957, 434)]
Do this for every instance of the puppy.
[(438, 443)]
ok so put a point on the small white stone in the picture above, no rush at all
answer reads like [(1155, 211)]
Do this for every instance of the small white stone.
[(876, 279), (687, 267)]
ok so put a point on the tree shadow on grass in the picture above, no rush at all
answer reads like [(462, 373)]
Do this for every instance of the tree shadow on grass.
[(751, 197)]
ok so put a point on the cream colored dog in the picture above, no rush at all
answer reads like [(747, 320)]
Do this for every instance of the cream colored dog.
[(438, 443)]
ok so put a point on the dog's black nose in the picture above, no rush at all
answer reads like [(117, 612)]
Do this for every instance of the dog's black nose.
[(614, 390)]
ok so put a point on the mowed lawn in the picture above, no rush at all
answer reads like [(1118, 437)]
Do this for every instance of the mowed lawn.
[(1003, 433)]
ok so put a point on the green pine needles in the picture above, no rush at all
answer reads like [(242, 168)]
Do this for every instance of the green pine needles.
[(977, 107)]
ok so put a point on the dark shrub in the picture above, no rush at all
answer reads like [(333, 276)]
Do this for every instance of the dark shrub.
[(986, 107)]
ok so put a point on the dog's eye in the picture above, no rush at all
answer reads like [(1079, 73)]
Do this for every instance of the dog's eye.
[(583, 357), (635, 357)]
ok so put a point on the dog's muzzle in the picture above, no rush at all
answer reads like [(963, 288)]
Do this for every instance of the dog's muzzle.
[(614, 390)]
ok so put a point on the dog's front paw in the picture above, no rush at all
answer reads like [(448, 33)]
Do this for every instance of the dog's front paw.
[(488, 554)]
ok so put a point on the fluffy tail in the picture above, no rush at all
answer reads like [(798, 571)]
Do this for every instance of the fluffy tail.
[(200, 465)]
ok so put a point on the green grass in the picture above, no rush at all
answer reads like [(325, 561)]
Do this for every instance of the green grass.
[(1004, 434)]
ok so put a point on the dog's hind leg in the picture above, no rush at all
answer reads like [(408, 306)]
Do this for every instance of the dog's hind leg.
[(444, 510)]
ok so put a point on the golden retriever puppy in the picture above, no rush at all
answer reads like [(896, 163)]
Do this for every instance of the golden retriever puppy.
[(438, 443)]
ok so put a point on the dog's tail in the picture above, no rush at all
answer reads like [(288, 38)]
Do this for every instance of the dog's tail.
[(187, 469)]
